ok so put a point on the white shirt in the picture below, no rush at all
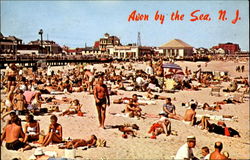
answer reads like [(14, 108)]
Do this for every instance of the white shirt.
[(184, 152), (162, 119), (20, 72), (207, 157), (139, 81), (49, 71), (149, 70), (92, 68)]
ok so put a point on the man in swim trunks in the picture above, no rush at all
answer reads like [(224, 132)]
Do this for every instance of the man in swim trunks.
[(11, 73), (11, 134), (190, 115), (102, 100), (89, 76)]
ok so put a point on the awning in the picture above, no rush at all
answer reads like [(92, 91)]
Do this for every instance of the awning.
[(171, 66)]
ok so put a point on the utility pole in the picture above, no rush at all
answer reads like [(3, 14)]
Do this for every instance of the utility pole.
[(41, 33), (139, 39)]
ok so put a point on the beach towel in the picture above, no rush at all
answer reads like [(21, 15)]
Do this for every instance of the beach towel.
[(29, 95), (120, 114), (219, 118), (56, 92), (148, 102)]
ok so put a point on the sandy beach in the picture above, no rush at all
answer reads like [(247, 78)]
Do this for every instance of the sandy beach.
[(142, 147)]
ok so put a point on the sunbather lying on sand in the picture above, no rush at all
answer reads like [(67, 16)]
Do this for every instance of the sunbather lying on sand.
[(135, 100), (230, 100), (163, 125), (150, 95), (216, 107), (128, 130), (73, 108), (79, 143), (219, 128)]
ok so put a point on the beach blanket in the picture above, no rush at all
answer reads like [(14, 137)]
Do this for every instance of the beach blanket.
[(120, 114), (56, 92), (219, 118), (29, 95), (142, 101)]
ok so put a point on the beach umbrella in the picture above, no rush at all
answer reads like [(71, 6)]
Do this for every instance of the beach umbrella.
[(171, 66), (176, 71)]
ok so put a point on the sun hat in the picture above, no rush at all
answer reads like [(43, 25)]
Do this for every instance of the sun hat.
[(191, 139), (162, 113)]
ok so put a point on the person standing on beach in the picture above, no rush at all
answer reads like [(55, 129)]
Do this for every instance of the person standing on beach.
[(102, 100), (149, 69), (11, 73), (89, 76)]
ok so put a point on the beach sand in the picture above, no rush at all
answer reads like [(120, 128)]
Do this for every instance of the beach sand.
[(145, 148)]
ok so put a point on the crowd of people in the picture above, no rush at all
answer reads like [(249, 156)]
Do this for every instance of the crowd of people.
[(24, 89)]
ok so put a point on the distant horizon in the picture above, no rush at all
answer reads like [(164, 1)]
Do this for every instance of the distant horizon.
[(75, 23)]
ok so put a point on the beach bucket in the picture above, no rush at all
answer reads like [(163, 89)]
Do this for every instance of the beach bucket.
[(69, 153)]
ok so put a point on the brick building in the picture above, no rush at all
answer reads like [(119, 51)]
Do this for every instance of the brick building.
[(229, 48), (107, 40)]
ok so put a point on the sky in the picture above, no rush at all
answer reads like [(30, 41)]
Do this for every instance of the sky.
[(74, 23)]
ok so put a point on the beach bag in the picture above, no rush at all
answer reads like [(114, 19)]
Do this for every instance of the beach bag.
[(101, 143)]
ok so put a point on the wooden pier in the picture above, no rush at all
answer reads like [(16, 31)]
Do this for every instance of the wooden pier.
[(51, 61)]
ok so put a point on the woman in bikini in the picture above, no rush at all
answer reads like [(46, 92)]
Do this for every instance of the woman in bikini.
[(80, 143), (55, 132), (31, 129), (36, 103), (73, 108), (19, 101)]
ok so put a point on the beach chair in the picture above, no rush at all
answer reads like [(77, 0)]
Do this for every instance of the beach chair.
[(215, 90)]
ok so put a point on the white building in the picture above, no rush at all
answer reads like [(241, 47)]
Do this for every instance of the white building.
[(129, 52), (175, 48), (124, 52)]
